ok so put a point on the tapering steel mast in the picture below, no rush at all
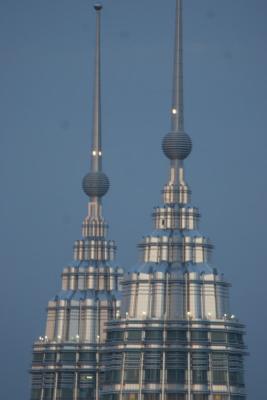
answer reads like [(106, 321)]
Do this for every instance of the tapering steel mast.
[(96, 153), (177, 111), (96, 183), (177, 144)]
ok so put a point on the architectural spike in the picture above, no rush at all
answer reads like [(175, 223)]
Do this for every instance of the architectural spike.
[(177, 111), (96, 183), (96, 153), (177, 144)]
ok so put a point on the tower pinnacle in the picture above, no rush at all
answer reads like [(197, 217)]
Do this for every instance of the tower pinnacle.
[(95, 183), (177, 144)]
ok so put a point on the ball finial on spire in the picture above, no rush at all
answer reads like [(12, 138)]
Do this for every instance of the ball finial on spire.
[(177, 145), (95, 184), (98, 6)]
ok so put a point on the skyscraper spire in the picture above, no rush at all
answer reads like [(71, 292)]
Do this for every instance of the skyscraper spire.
[(177, 111), (96, 183), (177, 145), (96, 153)]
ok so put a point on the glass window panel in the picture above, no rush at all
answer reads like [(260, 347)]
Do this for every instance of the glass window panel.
[(65, 394), (237, 397), (199, 376), (175, 376), (174, 335), (236, 378), (218, 337), (219, 377), (38, 357), (175, 396), (50, 357), (68, 356), (235, 338), (199, 336), (48, 394), (151, 396), (87, 356), (135, 335), (86, 379), (130, 396), (113, 376), (85, 393), (153, 335), (152, 375), (220, 397), (36, 394), (115, 335), (200, 396), (131, 376)]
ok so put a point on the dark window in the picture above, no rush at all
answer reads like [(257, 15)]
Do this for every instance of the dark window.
[(176, 376), (153, 335), (236, 378), (48, 394), (173, 335), (151, 396), (36, 394), (199, 376), (200, 397), (87, 356), (219, 377), (50, 357), (134, 335), (115, 335), (49, 379), (199, 336), (235, 339), (65, 394), (218, 337), (85, 393), (175, 396), (131, 376), (66, 381), (38, 357), (112, 396), (113, 376), (68, 357), (152, 375)]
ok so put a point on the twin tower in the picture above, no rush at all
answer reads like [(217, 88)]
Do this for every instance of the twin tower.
[(162, 330)]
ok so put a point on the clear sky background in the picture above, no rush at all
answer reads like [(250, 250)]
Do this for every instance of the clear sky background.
[(46, 70)]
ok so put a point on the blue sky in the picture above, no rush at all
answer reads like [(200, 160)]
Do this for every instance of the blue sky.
[(46, 50)]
